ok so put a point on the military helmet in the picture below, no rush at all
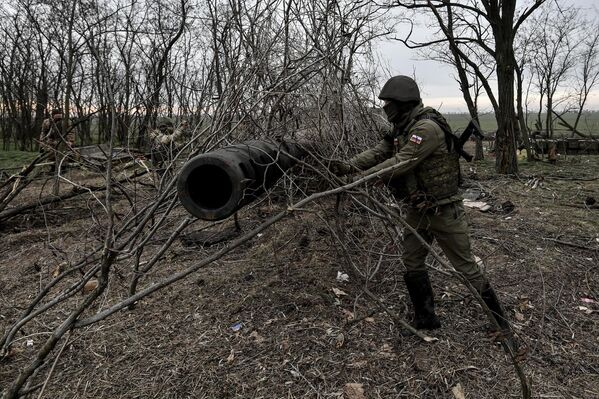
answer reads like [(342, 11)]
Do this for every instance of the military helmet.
[(400, 88), (56, 111), (164, 123)]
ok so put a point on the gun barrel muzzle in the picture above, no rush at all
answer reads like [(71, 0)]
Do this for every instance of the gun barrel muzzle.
[(214, 185)]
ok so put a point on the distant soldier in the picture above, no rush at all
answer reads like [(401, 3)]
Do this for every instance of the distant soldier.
[(166, 141), (552, 153), (53, 137), (517, 133)]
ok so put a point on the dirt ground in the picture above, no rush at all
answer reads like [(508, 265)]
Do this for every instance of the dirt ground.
[(271, 320)]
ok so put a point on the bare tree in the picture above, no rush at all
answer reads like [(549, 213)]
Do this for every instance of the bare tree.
[(476, 19), (469, 82), (553, 53), (586, 70)]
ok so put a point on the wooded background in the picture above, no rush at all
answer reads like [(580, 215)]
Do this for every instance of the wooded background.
[(95, 240), (269, 67)]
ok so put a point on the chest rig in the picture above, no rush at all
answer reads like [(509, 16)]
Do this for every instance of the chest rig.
[(434, 179)]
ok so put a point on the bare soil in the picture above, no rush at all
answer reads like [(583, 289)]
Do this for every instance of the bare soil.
[(264, 321)]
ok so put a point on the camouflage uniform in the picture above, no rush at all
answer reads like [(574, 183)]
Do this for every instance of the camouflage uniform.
[(428, 183), (166, 141), (53, 139)]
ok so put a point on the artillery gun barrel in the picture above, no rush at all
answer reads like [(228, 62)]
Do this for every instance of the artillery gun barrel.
[(214, 185)]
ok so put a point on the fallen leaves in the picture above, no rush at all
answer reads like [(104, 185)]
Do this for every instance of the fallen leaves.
[(353, 391), (458, 392), (90, 286), (339, 340), (347, 314), (58, 269), (387, 351), (360, 364), (12, 352), (586, 310), (258, 339), (231, 356)]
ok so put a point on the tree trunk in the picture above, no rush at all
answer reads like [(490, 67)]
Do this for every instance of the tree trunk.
[(549, 117), (521, 120), (505, 142)]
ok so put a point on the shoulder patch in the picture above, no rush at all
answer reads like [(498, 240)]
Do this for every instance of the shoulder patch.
[(416, 139)]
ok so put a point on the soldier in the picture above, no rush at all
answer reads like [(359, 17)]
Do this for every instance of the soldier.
[(166, 141), (552, 153), (53, 138), (428, 184)]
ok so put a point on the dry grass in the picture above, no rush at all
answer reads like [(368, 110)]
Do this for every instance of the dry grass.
[(297, 337)]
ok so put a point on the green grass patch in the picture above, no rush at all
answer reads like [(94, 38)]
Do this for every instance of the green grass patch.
[(589, 122), (571, 166), (15, 159)]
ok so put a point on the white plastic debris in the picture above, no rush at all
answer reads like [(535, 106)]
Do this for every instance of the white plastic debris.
[(342, 277), (482, 206), (479, 262), (29, 342)]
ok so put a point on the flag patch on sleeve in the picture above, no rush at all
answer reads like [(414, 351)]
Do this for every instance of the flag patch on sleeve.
[(416, 139)]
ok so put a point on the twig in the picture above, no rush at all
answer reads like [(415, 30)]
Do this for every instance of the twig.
[(365, 289), (53, 366), (234, 244), (54, 199), (570, 244), (396, 318)]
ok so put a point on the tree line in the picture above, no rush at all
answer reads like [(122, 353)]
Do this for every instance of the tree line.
[(264, 65), (235, 69)]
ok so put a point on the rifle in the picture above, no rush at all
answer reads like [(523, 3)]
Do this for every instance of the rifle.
[(472, 129)]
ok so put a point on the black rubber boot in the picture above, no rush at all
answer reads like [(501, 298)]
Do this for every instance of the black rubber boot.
[(490, 298), (488, 295), (421, 294)]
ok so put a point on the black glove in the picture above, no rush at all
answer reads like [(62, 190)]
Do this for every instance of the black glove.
[(340, 168)]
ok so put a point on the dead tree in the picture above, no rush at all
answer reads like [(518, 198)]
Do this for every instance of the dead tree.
[(553, 54), (501, 19), (586, 70)]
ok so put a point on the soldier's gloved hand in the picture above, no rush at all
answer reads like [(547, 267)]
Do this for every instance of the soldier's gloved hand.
[(347, 179), (339, 168)]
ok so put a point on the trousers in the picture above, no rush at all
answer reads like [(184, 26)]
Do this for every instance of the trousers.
[(448, 226)]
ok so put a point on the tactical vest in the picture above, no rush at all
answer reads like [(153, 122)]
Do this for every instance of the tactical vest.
[(434, 179)]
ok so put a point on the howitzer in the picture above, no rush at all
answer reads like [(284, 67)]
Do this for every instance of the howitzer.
[(471, 129), (214, 185)]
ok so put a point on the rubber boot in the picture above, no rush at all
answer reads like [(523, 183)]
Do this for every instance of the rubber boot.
[(421, 294), (488, 295)]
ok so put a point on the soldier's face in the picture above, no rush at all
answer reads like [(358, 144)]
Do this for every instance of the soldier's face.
[(57, 117), (397, 112)]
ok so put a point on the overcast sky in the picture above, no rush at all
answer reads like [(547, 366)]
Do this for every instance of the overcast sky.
[(439, 89)]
